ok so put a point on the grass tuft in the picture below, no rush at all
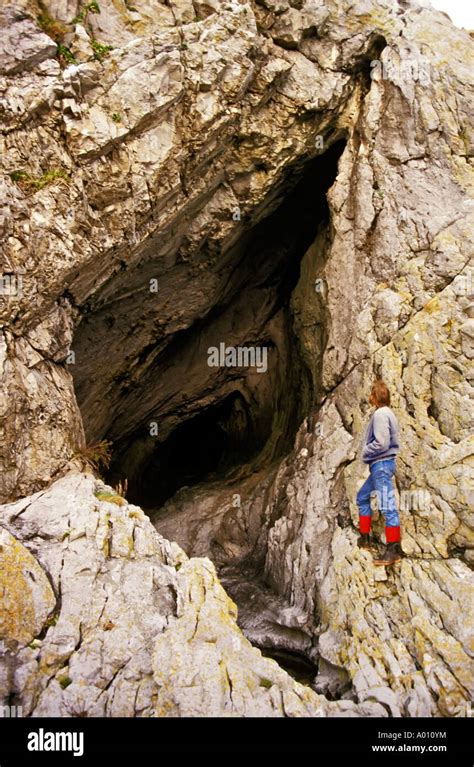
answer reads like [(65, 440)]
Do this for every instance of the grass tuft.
[(31, 184), (97, 456), (106, 495)]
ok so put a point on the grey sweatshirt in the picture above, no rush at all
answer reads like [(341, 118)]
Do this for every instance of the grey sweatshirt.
[(381, 439)]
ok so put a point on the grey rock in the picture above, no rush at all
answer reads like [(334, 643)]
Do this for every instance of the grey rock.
[(109, 186), (138, 628)]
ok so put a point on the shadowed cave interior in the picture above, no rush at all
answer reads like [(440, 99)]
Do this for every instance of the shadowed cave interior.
[(173, 420)]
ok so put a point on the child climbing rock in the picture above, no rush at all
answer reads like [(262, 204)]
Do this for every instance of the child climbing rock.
[(380, 446)]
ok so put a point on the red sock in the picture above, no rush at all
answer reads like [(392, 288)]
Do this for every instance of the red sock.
[(392, 534), (364, 523)]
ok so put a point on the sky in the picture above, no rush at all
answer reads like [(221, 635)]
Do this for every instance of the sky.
[(461, 12)]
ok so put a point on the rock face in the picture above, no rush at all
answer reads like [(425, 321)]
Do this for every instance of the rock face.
[(294, 177), (135, 628), (27, 597)]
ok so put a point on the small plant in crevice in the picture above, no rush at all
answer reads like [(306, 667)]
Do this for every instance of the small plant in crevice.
[(96, 456), (101, 51), (81, 18), (116, 496), (110, 497), (65, 55), (116, 117), (122, 487), (30, 183), (51, 621), (18, 175)]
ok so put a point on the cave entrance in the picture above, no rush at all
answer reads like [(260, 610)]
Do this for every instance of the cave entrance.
[(294, 663), (172, 417), (203, 448)]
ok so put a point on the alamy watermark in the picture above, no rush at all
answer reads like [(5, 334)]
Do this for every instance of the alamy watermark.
[(43, 740), (418, 69), (415, 500), (464, 710), (11, 285), (11, 712), (238, 356), (418, 499)]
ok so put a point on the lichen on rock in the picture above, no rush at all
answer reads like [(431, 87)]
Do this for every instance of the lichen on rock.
[(294, 176)]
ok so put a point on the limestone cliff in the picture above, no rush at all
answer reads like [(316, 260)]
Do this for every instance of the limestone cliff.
[(290, 175)]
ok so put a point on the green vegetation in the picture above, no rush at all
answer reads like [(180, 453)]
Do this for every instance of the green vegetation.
[(81, 17), (30, 183), (65, 55), (110, 497), (100, 50), (64, 681), (116, 117), (96, 456), (18, 175), (58, 29), (264, 682), (116, 496), (51, 621)]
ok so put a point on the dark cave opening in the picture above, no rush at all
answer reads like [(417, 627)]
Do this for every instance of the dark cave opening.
[(174, 420), (295, 664), (198, 450)]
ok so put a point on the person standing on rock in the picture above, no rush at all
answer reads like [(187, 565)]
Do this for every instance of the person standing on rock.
[(380, 446)]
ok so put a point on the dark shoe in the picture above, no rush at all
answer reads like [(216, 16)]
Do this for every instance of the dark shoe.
[(364, 541), (392, 554)]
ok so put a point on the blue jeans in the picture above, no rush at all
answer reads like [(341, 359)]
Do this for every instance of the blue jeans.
[(380, 482)]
